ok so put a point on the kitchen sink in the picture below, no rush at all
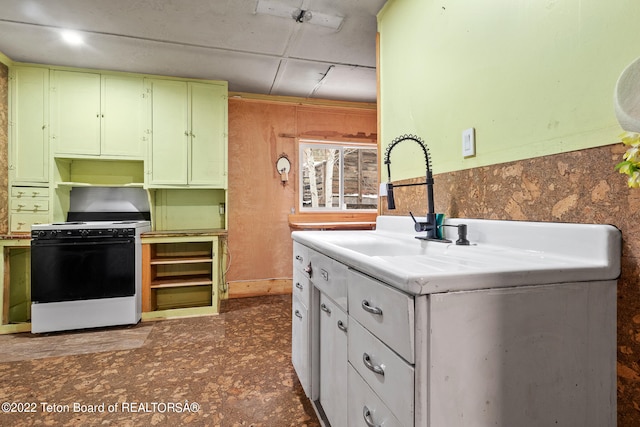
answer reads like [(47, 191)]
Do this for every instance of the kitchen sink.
[(501, 253)]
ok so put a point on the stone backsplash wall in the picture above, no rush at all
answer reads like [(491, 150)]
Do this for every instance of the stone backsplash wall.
[(580, 186), (4, 148)]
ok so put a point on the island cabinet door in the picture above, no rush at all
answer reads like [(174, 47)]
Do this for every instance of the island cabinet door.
[(300, 335), (527, 356), (333, 361)]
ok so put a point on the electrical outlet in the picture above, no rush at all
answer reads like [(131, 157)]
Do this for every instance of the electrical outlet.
[(469, 142), (383, 189)]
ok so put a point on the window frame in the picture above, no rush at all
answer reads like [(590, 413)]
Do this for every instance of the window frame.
[(341, 146)]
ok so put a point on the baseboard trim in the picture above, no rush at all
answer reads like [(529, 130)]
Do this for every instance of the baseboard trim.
[(255, 288)]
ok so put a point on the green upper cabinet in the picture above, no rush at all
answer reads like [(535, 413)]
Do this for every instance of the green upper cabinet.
[(123, 107), (97, 115), (188, 134), (207, 154), (169, 132), (29, 133)]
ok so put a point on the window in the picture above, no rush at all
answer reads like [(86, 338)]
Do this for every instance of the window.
[(338, 176)]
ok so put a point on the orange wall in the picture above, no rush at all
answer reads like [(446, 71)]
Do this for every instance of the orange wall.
[(259, 131)]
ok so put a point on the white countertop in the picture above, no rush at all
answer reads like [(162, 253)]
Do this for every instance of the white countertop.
[(501, 254)]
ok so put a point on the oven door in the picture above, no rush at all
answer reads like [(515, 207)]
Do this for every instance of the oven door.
[(82, 268)]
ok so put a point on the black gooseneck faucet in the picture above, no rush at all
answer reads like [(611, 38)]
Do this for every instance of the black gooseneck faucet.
[(431, 226)]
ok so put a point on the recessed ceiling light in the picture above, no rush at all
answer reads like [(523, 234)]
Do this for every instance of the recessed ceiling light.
[(72, 37)]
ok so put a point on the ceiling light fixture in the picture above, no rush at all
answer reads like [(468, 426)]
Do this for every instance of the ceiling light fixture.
[(277, 8), (300, 15), (72, 37)]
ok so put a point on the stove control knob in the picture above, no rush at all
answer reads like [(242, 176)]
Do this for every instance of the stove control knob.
[(54, 233), (42, 233), (84, 233)]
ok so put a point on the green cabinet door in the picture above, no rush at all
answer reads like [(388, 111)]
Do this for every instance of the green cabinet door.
[(29, 147), (75, 112), (207, 155), (169, 132), (122, 116)]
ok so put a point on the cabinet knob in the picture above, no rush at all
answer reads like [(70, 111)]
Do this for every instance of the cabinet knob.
[(324, 308), (298, 285), (297, 313)]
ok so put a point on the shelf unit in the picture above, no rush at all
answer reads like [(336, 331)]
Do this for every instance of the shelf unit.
[(180, 276)]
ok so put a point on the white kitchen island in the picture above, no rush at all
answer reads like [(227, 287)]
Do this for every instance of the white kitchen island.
[(517, 329)]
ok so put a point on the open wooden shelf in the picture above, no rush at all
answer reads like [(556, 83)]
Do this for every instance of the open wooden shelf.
[(180, 260), (181, 281), (180, 273)]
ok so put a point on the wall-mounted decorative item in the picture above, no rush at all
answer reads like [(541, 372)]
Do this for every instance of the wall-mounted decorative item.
[(627, 107), (283, 166), (627, 97)]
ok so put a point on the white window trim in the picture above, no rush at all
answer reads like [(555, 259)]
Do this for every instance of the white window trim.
[(340, 146)]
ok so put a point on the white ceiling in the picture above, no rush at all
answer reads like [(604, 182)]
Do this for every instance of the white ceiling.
[(209, 39)]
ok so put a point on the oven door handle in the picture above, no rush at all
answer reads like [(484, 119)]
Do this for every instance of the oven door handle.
[(79, 242)]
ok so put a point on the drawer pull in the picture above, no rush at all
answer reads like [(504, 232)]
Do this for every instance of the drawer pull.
[(377, 369), (325, 275), (372, 310), (324, 308), (299, 258), (297, 313), (366, 413), (298, 285), (341, 326)]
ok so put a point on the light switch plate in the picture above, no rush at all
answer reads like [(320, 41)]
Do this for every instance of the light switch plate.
[(469, 142)]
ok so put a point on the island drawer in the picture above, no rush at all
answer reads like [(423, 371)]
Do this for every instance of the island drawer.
[(386, 312), (388, 375), (301, 287), (300, 258), (329, 276), (363, 402)]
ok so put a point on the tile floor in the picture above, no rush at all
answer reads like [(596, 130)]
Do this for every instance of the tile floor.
[(229, 370)]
